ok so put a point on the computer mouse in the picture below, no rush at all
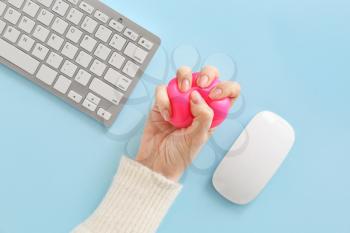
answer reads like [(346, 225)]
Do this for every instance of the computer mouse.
[(254, 158), (180, 103)]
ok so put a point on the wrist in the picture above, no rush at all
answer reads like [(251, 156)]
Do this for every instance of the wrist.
[(167, 171)]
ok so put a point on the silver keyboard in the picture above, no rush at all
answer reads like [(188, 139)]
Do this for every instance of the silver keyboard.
[(81, 51)]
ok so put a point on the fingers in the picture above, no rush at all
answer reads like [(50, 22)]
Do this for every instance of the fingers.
[(162, 102), (207, 76), (225, 89), (184, 78), (203, 114)]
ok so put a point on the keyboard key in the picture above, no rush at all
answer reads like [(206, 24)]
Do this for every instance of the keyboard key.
[(46, 74), (26, 42), (75, 2), (75, 96), (41, 33), (17, 57), (89, 25), (103, 33), (106, 91), (124, 83), (11, 34), (104, 114), (45, 17), (40, 51), (60, 7), (12, 15), (59, 26), (146, 43), (112, 76), (93, 98), (26, 24), (135, 53), (68, 68), (116, 60), (2, 8), (83, 59), (55, 42), (62, 84), (102, 52), (98, 68), (74, 16), (116, 25), (131, 69), (46, 3), (117, 42), (69, 50), (31, 8), (91, 106), (131, 34), (83, 77), (54, 60), (86, 7), (101, 16), (88, 43), (74, 34), (117, 79), (16, 3), (2, 25)]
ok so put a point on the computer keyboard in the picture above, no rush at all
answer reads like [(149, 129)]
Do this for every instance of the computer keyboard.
[(81, 51)]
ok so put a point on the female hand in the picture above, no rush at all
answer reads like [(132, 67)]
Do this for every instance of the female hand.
[(168, 150)]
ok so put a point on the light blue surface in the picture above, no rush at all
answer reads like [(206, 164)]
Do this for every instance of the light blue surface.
[(293, 57)]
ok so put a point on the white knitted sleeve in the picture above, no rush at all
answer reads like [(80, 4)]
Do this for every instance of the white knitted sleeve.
[(136, 202)]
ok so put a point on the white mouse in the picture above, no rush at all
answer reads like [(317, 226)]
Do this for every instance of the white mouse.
[(254, 158)]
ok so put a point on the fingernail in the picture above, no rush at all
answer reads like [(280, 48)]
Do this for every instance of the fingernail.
[(196, 97), (216, 93), (203, 81), (185, 85), (165, 115)]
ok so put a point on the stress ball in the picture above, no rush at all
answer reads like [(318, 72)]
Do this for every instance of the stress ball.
[(181, 108)]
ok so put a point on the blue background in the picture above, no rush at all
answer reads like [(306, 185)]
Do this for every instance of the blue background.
[(292, 58)]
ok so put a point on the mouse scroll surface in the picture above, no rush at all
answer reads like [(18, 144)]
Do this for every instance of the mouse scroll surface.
[(254, 158)]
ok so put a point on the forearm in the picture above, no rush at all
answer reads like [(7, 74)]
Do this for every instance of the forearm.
[(136, 202)]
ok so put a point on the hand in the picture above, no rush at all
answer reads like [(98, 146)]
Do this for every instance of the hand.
[(168, 150)]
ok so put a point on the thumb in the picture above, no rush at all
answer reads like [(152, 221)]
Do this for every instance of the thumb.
[(203, 114)]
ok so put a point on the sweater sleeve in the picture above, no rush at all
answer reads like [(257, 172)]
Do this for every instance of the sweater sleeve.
[(136, 202)]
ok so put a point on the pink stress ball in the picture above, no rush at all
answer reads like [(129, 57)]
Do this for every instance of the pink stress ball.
[(180, 103)]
